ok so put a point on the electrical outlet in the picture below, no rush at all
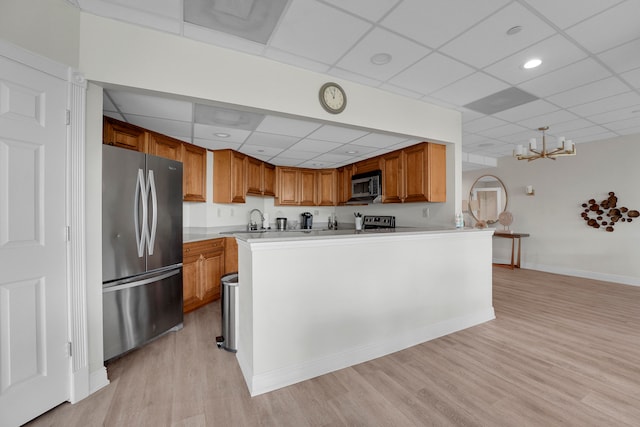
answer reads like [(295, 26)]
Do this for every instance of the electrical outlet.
[(425, 212), (232, 212), (219, 212)]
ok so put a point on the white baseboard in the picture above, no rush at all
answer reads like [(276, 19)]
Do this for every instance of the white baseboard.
[(98, 379), (605, 277), (273, 380)]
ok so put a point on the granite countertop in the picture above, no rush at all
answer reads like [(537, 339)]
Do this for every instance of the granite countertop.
[(194, 235)]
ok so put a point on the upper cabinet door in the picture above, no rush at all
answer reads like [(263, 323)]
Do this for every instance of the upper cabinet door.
[(425, 173), (164, 146), (194, 179), (124, 135), (392, 182)]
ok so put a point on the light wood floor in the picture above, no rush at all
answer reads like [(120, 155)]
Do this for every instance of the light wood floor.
[(562, 351)]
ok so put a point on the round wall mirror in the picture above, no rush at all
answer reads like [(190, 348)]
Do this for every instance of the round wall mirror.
[(487, 199)]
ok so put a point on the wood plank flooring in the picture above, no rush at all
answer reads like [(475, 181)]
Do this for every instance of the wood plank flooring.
[(563, 351)]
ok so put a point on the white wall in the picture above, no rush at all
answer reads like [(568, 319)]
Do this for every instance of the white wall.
[(50, 28), (560, 240)]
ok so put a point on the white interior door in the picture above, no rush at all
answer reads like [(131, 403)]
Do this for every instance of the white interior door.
[(34, 360)]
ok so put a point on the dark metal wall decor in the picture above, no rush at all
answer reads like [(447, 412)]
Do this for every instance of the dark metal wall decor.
[(607, 213)]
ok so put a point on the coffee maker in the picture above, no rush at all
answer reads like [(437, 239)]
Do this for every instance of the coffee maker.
[(306, 222)]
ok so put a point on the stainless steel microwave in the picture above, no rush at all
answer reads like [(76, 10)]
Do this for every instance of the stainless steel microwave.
[(366, 187)]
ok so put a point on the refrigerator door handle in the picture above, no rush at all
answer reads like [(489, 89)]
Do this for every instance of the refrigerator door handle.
[(141, 282), (140, 198), (154, 216)]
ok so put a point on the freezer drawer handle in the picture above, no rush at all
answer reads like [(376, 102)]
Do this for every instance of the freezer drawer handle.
[(141, 282)]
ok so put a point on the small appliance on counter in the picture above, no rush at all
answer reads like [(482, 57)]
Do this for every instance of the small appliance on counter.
[(378, 222), (306, 221), (281, 224)]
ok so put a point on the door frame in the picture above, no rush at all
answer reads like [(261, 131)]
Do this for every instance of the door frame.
[(77, 324)]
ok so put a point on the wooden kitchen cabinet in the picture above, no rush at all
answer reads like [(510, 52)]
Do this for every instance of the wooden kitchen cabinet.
[(229, 176), (203, 265), (392, 177), (296, 186), (124, 135), (164, 146), (260, 178), (425, 176), (194, 177), (344, 175), (368, 165), (230, 255), (327, 187)]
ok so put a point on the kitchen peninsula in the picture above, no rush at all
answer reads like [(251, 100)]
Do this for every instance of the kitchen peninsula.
[(315, 302)]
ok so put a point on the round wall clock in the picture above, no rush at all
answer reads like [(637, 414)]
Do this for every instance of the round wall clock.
[(332, 98)]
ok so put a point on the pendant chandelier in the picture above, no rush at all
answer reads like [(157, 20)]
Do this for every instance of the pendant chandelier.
[(564, 147)]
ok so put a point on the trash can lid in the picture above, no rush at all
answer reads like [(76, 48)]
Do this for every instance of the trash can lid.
[(230, 279)]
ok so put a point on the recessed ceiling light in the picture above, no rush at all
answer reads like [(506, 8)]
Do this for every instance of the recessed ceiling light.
[(352, 152), (221, 135), (260, 151), (514, 30), (381, 58), (532, 63)]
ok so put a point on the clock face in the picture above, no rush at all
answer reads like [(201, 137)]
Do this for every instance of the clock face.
[(333, 98)]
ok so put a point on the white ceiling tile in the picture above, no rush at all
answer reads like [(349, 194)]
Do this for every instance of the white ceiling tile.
[(433, 22), (378, 140), (401, 91), (216, 145), (269, 139), (470, 88), (314, 146), (525, 111), (482, 123), (371, 10), (623, 58), (163, 126), (611, 28), (260, 150), (295, 60), (431, 73), (601, 136), (236, 136), (298, 154), (633, 77), (571, 125), (286, 126), (471, 139), (589, 92), (325, 38), (555, 52), (627, 113), (630, 131), (353, 150), (549, 119), (629, 123), (403, 53), (569, 12), (333, 158), (315, 164), (168, 8), (616, 102), (152, 106), (577, 74), (469, 115), (113, 115), (502, 131), (577, 134), (358, 78), (488, 42), (337, 134)]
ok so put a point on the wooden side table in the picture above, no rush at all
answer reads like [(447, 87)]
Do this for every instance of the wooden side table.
[(513, 237)]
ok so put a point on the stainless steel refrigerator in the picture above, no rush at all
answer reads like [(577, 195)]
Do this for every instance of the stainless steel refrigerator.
[(141, 248)]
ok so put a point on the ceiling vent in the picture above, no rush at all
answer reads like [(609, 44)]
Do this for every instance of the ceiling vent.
[(501, 101), (253, 20)]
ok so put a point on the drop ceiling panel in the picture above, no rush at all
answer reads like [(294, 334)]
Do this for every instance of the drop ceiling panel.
[(228, 41), (522, 112), (555, 52), (470, 88), (236, 136), (285, 126), (167, 16), (623, 58), (270, 139), (632, 77), (621, 20), (336, 134), (569, 12), (481, 124), (502, 131), (314, 146), (260, 150), (216, 145), (577, 74), (589, 92), (431, 73), (173, 128), (152, 106), (549, 119), (616, 102), (324, 38), (403, 53), (488, 42), (353, 150), (371, 10), (434, 22), (378, 140)]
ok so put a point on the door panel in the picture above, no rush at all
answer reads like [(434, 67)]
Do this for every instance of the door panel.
[(34, 364), (120, 257)]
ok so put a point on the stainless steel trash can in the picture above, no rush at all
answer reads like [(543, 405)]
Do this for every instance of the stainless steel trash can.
[(229, 311)]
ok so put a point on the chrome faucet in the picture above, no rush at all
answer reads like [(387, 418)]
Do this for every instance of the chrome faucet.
[(252, 224)]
